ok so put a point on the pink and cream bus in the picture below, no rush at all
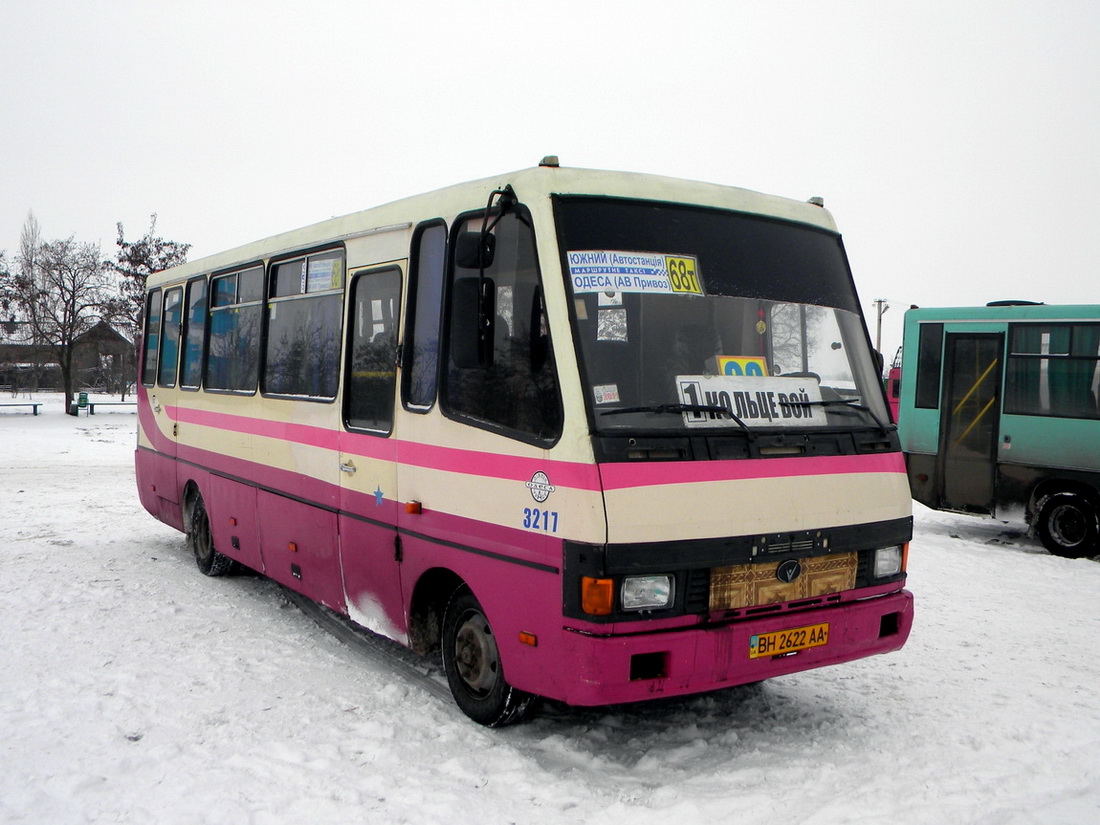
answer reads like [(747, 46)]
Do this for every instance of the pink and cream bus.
[(594, 436)]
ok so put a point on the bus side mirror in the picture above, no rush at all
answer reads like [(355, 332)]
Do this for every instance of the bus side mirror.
[(473, 319), (475, 250)]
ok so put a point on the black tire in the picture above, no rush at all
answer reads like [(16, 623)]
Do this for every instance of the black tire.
[(1069, 525), (472, 663), (201, 542)]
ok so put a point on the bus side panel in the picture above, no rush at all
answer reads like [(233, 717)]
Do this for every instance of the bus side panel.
[(923, 472), (145, 461), (368, 534), (1048, 441), (298, 544), (1020, 486), (231, 507), (518, 596), (371, 571), (155, 466), (156, 487)]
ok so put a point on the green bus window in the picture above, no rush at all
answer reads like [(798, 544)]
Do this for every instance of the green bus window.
[(929, 366), (1054, 370)]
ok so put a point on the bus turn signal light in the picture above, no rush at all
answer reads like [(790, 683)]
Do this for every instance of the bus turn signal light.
[(597, 596)]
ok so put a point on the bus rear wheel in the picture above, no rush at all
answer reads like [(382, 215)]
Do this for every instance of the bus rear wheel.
[(1069, 525), (201, 542), (471, 660)]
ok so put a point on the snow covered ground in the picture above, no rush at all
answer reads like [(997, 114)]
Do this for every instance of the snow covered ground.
[(134, 689)]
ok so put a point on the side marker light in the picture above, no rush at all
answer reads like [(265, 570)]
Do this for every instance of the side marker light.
[(597, 596)]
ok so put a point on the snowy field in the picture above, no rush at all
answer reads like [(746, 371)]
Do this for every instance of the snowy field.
[(133, 689)]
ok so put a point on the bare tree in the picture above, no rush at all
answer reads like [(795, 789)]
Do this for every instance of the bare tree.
[(29, 241), (61, 289)]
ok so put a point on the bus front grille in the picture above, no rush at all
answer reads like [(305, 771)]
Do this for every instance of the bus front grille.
[(756, 585)]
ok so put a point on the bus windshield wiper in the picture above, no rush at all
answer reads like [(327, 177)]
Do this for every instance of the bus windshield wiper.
[(685, 408), (848, 404)]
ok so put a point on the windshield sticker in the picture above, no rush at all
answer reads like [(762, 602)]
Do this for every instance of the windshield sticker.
[(645, 272), (611, 325), (758, 401), (606, 393), (740, 365)]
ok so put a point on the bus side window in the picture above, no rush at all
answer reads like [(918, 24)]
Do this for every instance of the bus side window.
[(929, 366), (170, 337), (194, 335), (1053, 369), (304, 317), (424, 313), (233, 357), (372, 350), (517, 388), (152, 339)]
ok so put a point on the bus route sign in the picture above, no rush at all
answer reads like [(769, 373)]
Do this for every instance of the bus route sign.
[(759, 401), (604, 270)]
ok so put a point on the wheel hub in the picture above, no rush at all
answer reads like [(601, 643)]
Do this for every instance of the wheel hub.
[(476, 654), (1067, 526)]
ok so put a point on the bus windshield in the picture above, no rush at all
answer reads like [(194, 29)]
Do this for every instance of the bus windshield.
[(691, 318)]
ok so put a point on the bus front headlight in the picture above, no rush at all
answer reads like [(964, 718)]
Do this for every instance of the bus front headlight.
[(646, 592), (887, 562)]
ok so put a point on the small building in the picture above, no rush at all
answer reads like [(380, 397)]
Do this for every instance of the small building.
[(103, 360)]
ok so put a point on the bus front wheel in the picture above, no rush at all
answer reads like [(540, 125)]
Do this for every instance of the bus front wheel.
[(1069, 525), (471, 660), (201, 542)]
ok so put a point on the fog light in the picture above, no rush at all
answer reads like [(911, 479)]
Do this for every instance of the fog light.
[(646, 592), (887, 562)]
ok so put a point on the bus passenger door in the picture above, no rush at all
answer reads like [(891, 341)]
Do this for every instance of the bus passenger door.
[(369, 551), (971, 411), (160, 376)]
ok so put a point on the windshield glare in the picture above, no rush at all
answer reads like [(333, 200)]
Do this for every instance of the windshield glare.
[(697, 319)]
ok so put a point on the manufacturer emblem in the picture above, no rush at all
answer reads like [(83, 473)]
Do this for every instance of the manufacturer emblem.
[(789, 570), (540, 487)]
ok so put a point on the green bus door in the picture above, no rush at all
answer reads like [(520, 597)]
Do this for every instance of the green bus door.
[(970, 412)]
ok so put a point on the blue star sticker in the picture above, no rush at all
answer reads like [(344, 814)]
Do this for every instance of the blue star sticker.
[(378, 496)]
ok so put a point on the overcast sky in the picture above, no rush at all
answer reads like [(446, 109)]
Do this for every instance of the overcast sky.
[(957, 143)]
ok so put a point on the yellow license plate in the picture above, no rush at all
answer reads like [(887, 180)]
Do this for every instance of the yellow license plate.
[(788, 641)]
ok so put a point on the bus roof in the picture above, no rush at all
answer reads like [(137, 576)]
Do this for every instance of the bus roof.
[(531, 185), (1005, 312)]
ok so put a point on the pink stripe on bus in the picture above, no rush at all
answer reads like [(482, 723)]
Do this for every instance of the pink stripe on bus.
[(450, 459), (575, 475), (516, 468), (298, 433)]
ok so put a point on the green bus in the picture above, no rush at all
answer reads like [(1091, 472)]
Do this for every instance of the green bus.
[(1000, 414)]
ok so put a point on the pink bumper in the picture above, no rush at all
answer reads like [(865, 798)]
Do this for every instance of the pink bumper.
[(611, 670)]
